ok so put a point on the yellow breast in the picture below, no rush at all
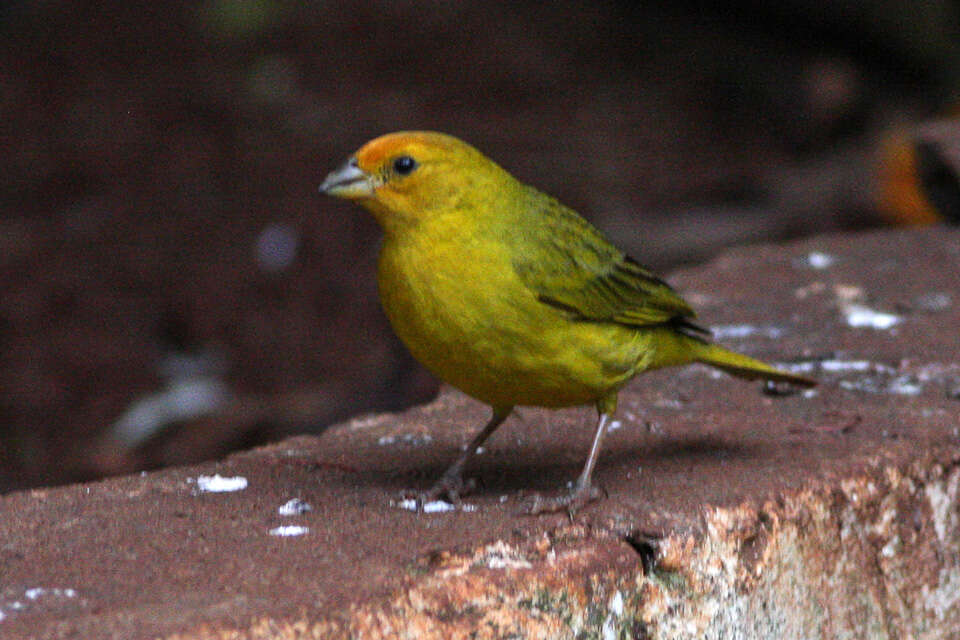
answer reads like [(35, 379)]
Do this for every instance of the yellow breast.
[(456, 302)]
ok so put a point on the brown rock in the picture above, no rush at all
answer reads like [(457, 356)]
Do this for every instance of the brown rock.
[(730, 513)]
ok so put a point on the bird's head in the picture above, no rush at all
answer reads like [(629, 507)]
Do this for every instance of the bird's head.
[(407, 176)]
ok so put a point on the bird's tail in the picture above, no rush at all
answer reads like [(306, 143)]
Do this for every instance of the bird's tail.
[(746, 367)]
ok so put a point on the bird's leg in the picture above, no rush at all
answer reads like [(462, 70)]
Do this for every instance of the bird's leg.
[(451, 483), (583, 491)]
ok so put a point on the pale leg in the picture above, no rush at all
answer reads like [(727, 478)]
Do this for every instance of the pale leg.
[(583, 491), (451, 483)]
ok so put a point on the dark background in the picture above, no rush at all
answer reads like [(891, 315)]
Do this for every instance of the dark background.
[(159, 164)]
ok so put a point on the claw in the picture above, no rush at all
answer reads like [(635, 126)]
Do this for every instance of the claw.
[(451, 483), (449, 486), (579, 497)]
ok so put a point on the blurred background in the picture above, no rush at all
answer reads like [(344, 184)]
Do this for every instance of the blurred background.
[(174, 287)]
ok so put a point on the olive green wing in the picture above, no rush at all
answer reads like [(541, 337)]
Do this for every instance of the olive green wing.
[(569, 265)]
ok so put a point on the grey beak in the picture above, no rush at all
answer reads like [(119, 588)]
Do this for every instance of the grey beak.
[(347, 181)]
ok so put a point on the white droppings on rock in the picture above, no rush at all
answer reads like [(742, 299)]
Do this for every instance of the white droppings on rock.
[(294, 507), (905, 385), (34, 594), (220, 484), (38, 592), (879, 377), (738, 331), (289, 531), (833, 366), (434, 506), (412, 439), (438, 506), (840, 366), (860, 316)]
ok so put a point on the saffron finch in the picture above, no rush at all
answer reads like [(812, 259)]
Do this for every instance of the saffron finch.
[(508, 295)]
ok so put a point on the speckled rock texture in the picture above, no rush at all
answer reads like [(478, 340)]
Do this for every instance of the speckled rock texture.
[(731, 512)]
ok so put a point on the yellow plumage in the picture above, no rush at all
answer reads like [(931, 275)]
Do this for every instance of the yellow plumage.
[(510, 296)]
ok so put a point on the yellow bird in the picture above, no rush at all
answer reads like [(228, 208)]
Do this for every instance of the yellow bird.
[(513, 298)]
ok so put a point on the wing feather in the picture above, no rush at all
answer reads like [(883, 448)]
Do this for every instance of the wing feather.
[(568, 264)]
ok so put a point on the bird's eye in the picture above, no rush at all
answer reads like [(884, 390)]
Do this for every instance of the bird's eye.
[(404, 165)]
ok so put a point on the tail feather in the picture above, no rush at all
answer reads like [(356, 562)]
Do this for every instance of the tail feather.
[(746, 367)]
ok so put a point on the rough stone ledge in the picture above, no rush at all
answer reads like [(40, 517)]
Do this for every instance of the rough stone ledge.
[(731, 514)]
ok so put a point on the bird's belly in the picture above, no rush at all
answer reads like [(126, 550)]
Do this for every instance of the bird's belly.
[(490, 337)]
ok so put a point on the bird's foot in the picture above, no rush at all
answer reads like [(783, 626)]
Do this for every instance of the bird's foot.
[(579, 496), (450, 486)]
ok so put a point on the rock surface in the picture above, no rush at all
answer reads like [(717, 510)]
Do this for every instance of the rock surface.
[(730, 512)]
